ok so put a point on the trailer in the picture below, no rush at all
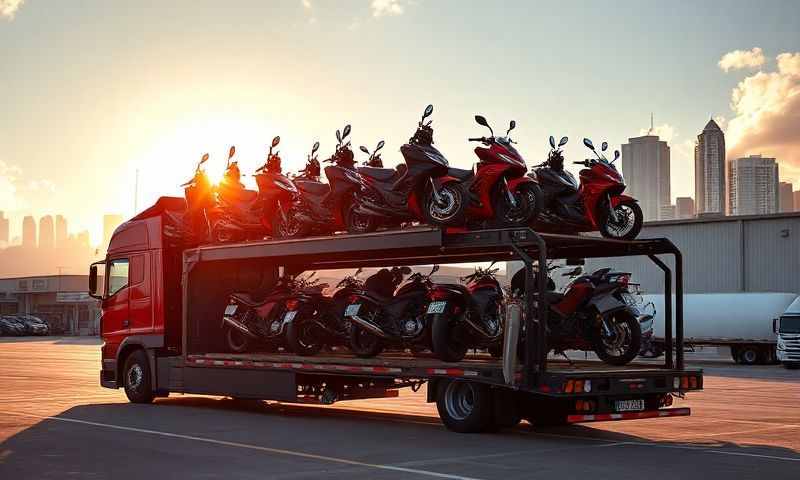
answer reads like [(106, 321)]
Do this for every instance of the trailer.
[(161, 328)]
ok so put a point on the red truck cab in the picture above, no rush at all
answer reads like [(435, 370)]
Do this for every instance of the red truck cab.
[(138, 284)]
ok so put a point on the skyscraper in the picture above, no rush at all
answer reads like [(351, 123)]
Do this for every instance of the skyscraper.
[(3, 229), (110, 223), (753, 185), (709, 170), (684, 207), (29, 232), (47, 237), (797, 201), (785, 197), (61, 231), (645, 165)]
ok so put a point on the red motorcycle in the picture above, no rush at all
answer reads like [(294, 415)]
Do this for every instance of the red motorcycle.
[(596, 204), (199, 194), (499, 190)]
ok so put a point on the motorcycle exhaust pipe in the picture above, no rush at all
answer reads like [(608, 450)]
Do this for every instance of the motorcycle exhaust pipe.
[(511, 342), (370, 327), (233, 323), (479, 329)]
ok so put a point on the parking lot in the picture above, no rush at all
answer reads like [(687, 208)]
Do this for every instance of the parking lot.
[(58, 422)]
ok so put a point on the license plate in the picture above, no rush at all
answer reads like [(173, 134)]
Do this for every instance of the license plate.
[(436, 307), (352, 310), (230, 309), (629, 405), (289, 316)]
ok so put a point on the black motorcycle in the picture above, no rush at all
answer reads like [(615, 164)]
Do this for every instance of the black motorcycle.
[(314, 320), (374, 159), (381, 317), (417, 190)]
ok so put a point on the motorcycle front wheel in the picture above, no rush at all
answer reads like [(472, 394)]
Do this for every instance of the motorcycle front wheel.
[(445, 346), (623, 343), (628, 223), (304, 338), (451, 208)]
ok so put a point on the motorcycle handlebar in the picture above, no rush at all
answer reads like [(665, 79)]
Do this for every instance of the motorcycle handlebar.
[(479, 139)]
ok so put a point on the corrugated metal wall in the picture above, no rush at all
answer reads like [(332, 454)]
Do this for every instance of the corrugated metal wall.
[(735, 255)]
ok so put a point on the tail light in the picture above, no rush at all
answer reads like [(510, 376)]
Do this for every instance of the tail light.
[(624, 279), (437, 295), (292, 304), (352, 299)]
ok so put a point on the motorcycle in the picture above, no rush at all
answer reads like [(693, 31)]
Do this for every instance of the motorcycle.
[(236, 213), (321, 208), (252, 320), (500, 192), (595, 312), (199, 194), (469, 315), (597, 203), (318, 320), (380, 317), (276, 192), (418, 190), (374, 159)]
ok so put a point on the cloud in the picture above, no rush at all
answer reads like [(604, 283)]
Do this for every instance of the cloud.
[(665, 132), (384, 8), (9, 7), (766, 120), (739, 59)]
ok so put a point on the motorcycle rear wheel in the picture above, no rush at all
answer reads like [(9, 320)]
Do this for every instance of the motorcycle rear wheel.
[(529, 204), (358, 222), (290, 228), (363, 343), (237, 341), (629, 227), (445, 347), (303, 339), (623, 323)]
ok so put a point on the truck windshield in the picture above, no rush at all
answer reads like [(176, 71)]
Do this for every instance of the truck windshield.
[(789, 325)]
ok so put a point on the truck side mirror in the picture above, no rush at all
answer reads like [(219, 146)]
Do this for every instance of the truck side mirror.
[(95, 281), (775, 325)]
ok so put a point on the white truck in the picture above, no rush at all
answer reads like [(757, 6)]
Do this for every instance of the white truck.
[(741, 321), (787, 327)]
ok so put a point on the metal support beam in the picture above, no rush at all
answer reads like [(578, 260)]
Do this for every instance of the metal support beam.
[(667, 310)]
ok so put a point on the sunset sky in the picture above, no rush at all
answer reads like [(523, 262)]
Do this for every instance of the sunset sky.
[(91, 91)]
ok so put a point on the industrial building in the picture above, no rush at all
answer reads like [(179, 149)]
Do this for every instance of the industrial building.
[(60, 300)]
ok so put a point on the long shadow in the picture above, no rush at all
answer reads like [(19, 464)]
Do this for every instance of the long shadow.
[(192, 436)]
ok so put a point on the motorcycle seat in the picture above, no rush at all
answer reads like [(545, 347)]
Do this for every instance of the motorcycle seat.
[(459, 173), (380, 174), (314, 188), (553, 297), (246, 299)]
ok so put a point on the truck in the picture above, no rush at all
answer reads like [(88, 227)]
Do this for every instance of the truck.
[(163, 301), (740, 321), (787, 327)]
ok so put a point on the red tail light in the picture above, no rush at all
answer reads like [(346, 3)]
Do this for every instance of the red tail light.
[(292, 304), (624, 279), (437, 295), (352, 299)]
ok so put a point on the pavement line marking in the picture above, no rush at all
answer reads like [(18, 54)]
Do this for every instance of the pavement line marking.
[(279, 451), (740, 432)]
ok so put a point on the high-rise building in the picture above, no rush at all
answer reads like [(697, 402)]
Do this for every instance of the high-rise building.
[(110, 223), (47, 236), (61, 231), (29, 232), (797, 200), (645, 165), (709, 170), (785, 197), (684, 207), (753, 185), (668, 212), (4, 228)]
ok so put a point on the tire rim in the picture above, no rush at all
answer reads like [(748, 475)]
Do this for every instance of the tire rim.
[(749, 356), (524, 201), (135, 377), (460, 399), (449, 206), (625, 221)]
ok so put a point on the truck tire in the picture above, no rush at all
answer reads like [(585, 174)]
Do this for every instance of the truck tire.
[(465, 407), (748, 355), (136, 378)]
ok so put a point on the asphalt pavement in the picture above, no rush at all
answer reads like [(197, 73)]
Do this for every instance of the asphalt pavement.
[(57, 422)]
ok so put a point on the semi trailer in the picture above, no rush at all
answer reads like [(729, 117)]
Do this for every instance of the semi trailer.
[(162, 302), (740, 321)]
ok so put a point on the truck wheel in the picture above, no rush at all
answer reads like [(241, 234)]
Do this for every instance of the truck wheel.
[(748, 355), (304, 338), (465, 407), (136, 378), (445, 346)]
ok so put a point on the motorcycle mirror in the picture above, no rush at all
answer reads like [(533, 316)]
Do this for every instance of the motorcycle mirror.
[(563, 141), (380, 145), (338, 136), (428, 112), (481, 120), (276, 141), (231, 151), (511, 126), (588, 144), (364, 149), (358, 271), (315, 148), (604, 146), (428, 123), (204, 159), (434, 269), (616, 155), (552, 142), (346, 131)]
